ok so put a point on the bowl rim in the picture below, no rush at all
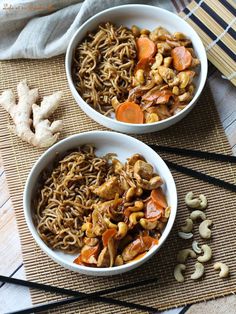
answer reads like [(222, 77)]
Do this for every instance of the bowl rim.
[(27, 208), (203, 70)]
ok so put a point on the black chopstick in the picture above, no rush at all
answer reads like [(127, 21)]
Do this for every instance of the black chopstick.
[(53, 304), (201, 176), (194, 153), (70, 292), (95, 296)]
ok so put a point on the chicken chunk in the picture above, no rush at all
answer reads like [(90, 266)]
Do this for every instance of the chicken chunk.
[(143, 170), (109, 189), (132, 250), (133, 159), (104, 258)]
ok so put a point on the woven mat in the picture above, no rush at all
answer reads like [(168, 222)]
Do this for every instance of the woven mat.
[(215, 23), (200, 130)]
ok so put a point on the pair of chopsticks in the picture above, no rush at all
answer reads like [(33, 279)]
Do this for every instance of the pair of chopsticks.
[(199, 154), (77, 296)]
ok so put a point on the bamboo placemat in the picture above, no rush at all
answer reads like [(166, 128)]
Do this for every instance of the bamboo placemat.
[(215, 23), (200, 130)]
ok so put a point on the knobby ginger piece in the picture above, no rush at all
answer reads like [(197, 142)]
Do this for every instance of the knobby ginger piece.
[(45, 133)]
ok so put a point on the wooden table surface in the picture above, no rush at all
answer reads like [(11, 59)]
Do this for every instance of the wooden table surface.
[(11, 264)]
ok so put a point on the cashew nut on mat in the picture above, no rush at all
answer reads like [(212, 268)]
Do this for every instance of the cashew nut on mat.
[(184, 254), (224, 269), (199, 271), (207, 254), (204, 230), (178, 272)]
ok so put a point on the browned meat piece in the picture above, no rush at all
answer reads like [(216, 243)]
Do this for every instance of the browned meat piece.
[(117, 165), (104, 258), (143, 170), (132, 250), (109, 189)]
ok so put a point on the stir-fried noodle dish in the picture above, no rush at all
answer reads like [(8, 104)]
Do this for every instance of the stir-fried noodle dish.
[(108, 212), (135, 75)]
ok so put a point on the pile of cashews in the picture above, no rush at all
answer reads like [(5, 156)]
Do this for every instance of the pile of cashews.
[(198, 204)]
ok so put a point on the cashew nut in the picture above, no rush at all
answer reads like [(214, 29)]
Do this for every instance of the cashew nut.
[(179, 36), (138, 205), (122, 230), (184, 97), (188, 227), (185, 235), (158, 61), (167, 212), (178, 272), (204, 231), (196, 248), (139, 76), (130, 193), (199, 271), (109, 223), (203, 201), (184, 254), (199, 202), (135, 30), (88, 228), (224, 269), (190, 201), (184, 79), (196, 214), (148, 225), (207, 254), (175, 90), (134, 217)]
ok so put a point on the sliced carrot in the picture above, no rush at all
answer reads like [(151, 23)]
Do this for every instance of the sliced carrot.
[(144, 64), (78, 260), (107, 235), (146, 48), (129, 112), (159, 198), (160, 97), (182, 58), (89, 255), (152, 210)]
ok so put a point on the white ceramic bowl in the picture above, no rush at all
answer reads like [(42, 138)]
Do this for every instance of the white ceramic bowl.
[(106, 142), (148, 17)]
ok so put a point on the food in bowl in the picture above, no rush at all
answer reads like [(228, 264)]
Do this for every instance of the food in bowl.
[(135, 76), (111, 213)]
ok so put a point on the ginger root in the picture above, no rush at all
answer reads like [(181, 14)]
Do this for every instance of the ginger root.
[(45, 133)]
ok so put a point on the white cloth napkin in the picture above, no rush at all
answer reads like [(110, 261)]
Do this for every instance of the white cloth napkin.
[(42, 29)]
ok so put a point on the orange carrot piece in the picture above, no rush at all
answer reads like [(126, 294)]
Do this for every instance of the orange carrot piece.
[(152, 210), (107, 235), (144, 64), (78, 260), (182, 58), (87, 256), (146, 48), (129, 112), (159, 198)]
